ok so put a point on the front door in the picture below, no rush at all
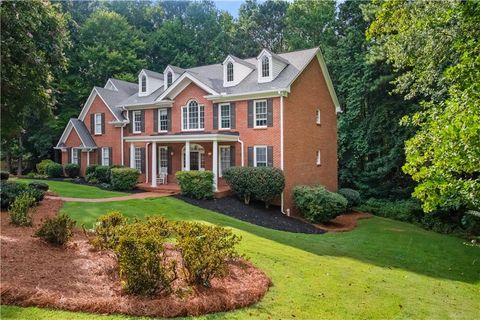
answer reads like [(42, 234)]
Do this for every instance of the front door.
[(194, 160)]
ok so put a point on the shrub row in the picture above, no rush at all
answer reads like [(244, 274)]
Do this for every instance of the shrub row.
[(262, 183), (116, 177), (196, 184), (139, 247), (317, 204)]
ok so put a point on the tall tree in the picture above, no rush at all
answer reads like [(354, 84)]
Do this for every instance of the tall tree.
[(34, 36)]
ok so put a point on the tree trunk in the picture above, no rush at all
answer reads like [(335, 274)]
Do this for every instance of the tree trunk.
[(20, 156), (8, 160), (246, 199)]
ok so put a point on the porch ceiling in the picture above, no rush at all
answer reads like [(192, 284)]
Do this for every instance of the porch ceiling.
[(184, 137)]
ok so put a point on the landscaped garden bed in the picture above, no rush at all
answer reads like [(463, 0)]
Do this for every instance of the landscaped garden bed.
[(79, 277)]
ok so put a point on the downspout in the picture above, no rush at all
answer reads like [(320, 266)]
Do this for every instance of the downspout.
[(146, 162), (242, 152), (121, 146), (281, 147)]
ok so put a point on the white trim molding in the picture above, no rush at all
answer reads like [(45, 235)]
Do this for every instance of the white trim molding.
[(208, 137)]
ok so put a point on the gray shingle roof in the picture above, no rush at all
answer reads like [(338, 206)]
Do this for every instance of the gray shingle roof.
[(153, 74), (177, 70), (125, 86), (113, 98), (245, 63), (84, 135)]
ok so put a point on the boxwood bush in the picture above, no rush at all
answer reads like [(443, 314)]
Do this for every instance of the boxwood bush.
[(106, 233), (72, 170), (56, 230), (19, 210), (124, 179), (54, 170), (38, 185), (102, 173), (352, 196), (4, 175), (196, 184), (262, 183), (317, 204), (42, 166)]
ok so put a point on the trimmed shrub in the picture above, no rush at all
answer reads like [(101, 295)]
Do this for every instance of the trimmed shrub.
[(196, 184), (91, 169), (471, 222), (352, 196), (124, 179), (9, 190), (317, 204), (38, 185), (37, 194), (266, 183), (56, 231), (140, 259), (54, 170), (205, 251), (19, 210), (42, 166), (4, 175), (106, 230), (72, 170), (238, 178), (102, 173)]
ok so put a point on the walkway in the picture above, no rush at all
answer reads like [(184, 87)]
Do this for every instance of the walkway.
[(142, 195)]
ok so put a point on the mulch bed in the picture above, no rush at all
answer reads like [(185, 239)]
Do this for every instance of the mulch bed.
[(344, 222), (255, 213), (78, 278)]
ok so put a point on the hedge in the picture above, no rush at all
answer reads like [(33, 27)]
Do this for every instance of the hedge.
[(317, 204), (196, 184), (124, 179), (72, 170), (54, 170)]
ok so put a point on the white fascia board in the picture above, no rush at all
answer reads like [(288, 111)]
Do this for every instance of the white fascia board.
[(152, 105), (248, 95), (191, 78), (183, 138), (111, 82), (87, 105)]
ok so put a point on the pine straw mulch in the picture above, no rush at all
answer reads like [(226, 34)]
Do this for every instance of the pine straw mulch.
[(78, 278), (344, 222)]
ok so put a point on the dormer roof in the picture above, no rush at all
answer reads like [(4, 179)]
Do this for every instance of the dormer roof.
[(153, 74), (273, 55), (238, 60)]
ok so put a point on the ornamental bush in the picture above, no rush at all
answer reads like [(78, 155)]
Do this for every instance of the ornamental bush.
[(352, 196), (91, 169), (54, 170), (56, 231), (238, 179), (205, 250), (4, 175), (196, 184), (124, 179), (19, 210), (317, 204), (102, 173), (106, 230), (9, 190), (42, 166), (72, 170), (38, 185), (142, 267)]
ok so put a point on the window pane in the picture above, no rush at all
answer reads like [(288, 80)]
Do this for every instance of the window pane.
[(230, 72), (163, 120), (224, 116), (202, 118), (260, 113), (163, 160), (137, 121), (261, 156), (185, 118), (265, 67), (138, 159), (98, 123), (225, 160)]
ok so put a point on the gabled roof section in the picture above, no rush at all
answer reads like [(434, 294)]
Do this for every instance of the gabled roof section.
[(181, 81), (153, 74), (82, 132), (125, 86), (274, 55), (238, 60), (175, 69)]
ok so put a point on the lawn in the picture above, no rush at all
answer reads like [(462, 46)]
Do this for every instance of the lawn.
[(75, 190), (385, 269)]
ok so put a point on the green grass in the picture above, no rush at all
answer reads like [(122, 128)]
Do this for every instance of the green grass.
[(384, 269), (75, 190)]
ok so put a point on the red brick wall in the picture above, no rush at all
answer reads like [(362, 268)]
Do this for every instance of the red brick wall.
[(303, 137)]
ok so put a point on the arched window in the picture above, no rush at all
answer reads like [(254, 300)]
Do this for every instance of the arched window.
[(229, 72), (193, 116), (169, 79), (265, 66), (143, 83)]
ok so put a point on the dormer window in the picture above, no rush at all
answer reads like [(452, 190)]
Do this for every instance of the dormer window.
[(265, 66), (169, 79), (229, 72), (143, 83)]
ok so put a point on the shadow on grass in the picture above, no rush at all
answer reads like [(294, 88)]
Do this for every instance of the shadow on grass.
[(378, 241)]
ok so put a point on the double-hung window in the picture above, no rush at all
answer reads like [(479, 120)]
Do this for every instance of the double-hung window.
[(260, 113), (193, 116), (265, 67), (75, 156), (229, 72), (138, 159), (137, 121), (105, 156), (260, 156), (317, 116), (143, 83), (98, 123), (163, 120), (225, 158), (163, 159), (224, 116), (319, 159)]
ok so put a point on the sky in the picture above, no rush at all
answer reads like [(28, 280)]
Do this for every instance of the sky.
[(231, 6)]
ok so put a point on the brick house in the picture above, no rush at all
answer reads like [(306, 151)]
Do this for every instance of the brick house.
[(271, 110)]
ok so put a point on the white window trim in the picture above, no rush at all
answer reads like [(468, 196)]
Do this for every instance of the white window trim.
[(269, 67), (318, 116), (74, 152), (220, 116), (255, 113), (199, 122), (160, 158), (255, 154), (143, 76), (220, 173), (99, 123), (319, 158), (133, 121), (135, 159), (233, 72), (159, 117), (103, 156)]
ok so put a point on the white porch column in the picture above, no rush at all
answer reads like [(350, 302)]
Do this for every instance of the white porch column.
[(154, 164), (132, 155), (88, 158), (215, 165), (187, 156)]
